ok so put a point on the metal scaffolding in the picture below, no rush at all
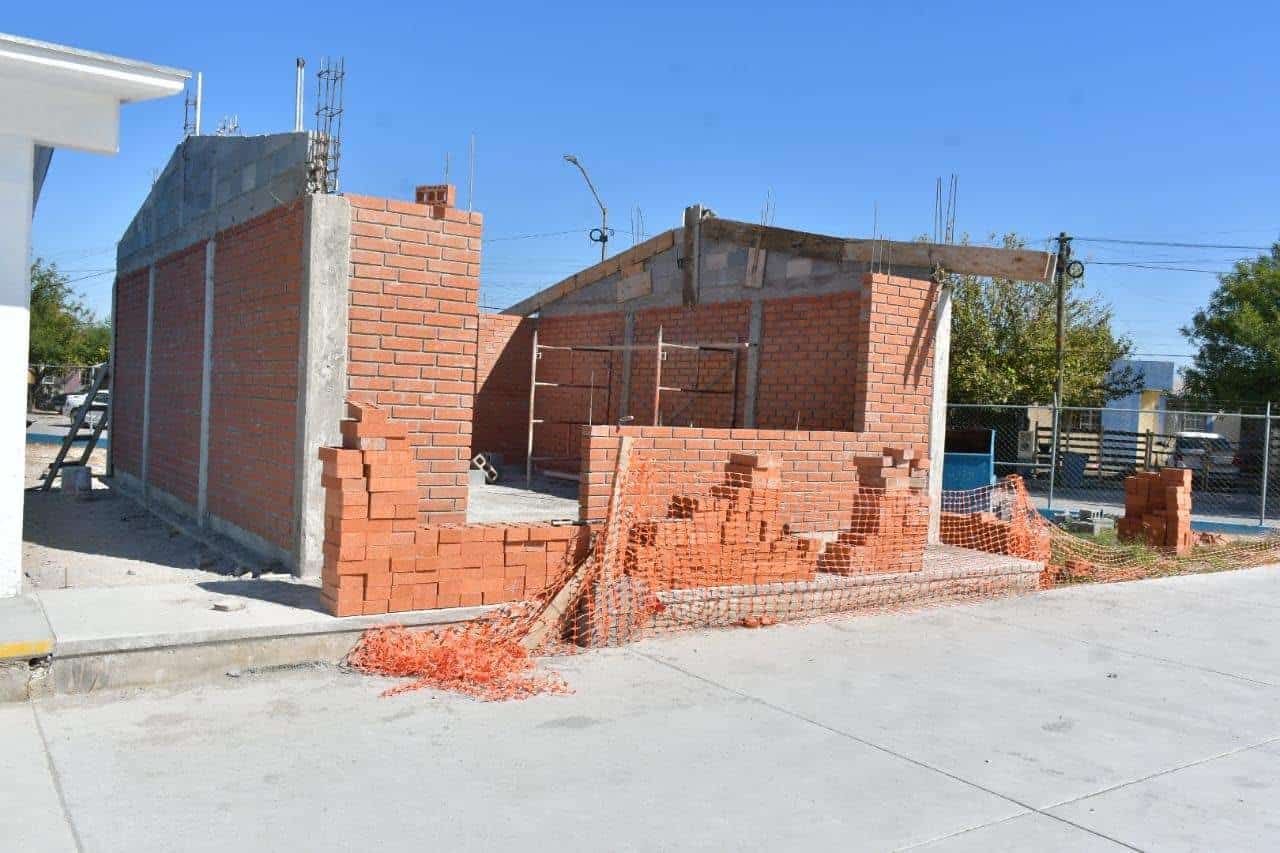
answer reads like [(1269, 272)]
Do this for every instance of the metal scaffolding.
[(660, 350)]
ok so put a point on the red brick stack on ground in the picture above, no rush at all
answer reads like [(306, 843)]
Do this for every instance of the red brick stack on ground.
[(732, 536), (1157, 509), (377, 559), (1023, 534), (890, 520)]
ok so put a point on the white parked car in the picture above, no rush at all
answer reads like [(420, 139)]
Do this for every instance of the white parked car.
[(76, 401), (73, 402), (1212, 459)]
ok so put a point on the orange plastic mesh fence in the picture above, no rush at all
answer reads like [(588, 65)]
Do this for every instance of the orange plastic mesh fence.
[(744, 546)]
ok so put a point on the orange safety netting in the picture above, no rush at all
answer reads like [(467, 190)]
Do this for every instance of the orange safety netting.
[(743, 543)]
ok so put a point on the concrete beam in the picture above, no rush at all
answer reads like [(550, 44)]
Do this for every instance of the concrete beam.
[(322, 365)]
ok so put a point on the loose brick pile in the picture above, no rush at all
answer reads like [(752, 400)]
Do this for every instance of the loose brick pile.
[(890, 520), (1018, 531), (732, 536), (377, 559), (1157, 509), (986, 531)]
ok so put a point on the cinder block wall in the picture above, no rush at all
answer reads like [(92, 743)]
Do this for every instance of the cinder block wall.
[(414, 321)]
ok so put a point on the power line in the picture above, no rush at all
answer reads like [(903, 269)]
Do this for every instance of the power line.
[(534, 236), (1175, 245), (1157, 267)]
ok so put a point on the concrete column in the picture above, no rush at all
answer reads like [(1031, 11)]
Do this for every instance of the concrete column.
[(628, 338), (938, 407), (755, 334), (17, 191), (206, 387), (322, 366)]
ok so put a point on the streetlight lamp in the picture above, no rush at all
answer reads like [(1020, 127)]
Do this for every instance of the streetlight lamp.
[(599, 235)]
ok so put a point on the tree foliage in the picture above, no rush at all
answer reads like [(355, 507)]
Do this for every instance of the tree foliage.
[(1238, 336), (63, 330), (1003, 343)]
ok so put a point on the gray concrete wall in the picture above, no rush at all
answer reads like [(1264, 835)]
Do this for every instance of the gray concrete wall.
[(727, 272), (210, 184)]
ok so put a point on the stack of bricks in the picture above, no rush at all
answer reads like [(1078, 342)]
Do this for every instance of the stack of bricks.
[(377, 559), (985, 531), (1157, 509), (730, 537), (890, 521)]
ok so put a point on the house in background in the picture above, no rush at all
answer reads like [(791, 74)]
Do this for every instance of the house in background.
[(1142, 411)]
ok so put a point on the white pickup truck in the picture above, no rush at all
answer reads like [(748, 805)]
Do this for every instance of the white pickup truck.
[(75, 401)]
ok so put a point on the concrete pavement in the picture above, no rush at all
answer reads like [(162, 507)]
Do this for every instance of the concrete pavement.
[(1142, 715)]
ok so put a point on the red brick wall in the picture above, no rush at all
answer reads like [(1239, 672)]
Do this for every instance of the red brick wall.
[(502, 386), (558, 443), (378, 558), (895, 384), (128, 371), (177, 342), (855, 361), (818, 468), (258, 268), (809, 362), (721, 322), (413, 336)]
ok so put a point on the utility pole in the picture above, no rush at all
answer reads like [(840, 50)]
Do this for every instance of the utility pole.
[(598, 235), (1060, 277)]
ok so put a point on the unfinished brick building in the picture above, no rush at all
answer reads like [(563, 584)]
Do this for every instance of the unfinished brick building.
[(249, 306)]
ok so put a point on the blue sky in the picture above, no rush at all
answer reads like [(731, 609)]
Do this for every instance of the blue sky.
[(1098, 119)]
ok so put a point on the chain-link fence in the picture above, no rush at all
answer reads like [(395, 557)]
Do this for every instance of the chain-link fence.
[(1077, 458)]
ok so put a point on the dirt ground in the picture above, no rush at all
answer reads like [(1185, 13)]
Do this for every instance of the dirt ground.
[(106, 539)]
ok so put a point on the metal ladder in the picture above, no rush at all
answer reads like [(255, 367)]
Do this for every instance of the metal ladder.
[(77, 434)]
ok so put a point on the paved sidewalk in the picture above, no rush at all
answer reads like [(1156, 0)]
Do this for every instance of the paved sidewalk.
[(1142, 715)]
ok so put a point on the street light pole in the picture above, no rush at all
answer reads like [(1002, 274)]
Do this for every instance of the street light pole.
[(603, 237)]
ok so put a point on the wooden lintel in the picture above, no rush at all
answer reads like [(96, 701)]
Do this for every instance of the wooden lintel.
[(1020, 264)]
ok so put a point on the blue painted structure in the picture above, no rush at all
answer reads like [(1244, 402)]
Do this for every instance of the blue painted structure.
[(969, 459)]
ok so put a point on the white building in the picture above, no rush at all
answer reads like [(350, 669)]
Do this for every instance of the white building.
[(51, 96)]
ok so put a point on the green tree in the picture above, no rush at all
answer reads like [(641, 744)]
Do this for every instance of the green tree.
[(63, 330), (1238, 337), (1003, 336)]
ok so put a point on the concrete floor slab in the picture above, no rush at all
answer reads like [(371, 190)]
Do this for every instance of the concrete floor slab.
[(547, 499), (950, 728), (118, 619), (1224, 803), (1030, 831), (642, 757), (24, 630), (31, 814), (1095, 715), (1178, 618)]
